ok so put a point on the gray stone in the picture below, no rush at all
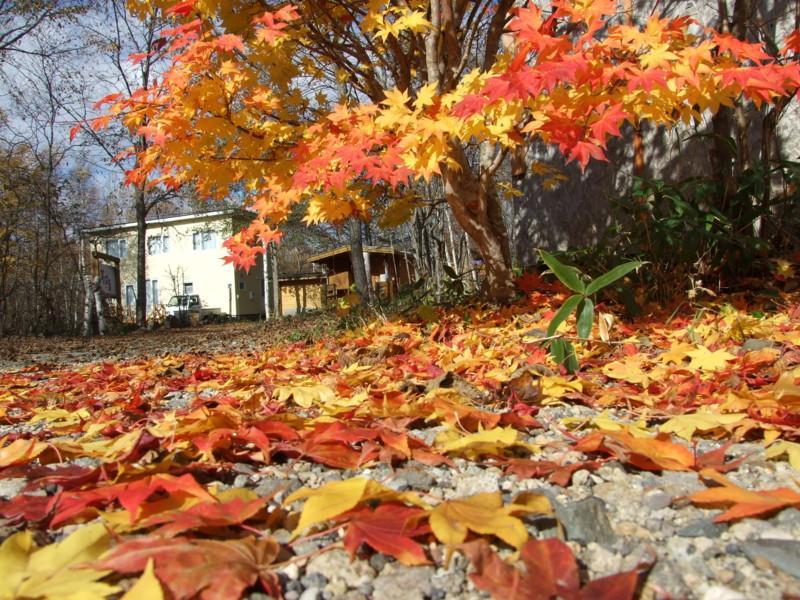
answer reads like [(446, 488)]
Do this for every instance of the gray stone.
[(580, 478), (366, 588), (600, 560), (177, 400), (398, 582), (412, 477), (783, 554), (787, 517), (335, 566), (241, 481), (312, 593), (377, 562), (680, 483), (586, 521), (313, 580), (701, 528), (748, 529), (751, 344), (11, 487), (656, 500), (720, 592)]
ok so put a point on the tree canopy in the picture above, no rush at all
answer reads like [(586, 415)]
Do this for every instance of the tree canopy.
[(330, 103)]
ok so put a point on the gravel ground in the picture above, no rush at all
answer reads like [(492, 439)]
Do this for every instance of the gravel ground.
[(613, 518)]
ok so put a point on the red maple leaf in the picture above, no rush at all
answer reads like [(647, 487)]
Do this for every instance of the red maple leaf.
[(388, 529)]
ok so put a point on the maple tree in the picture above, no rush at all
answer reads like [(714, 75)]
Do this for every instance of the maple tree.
[(409, 91)]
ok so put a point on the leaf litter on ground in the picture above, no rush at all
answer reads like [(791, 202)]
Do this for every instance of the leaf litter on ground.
[(136, 457)]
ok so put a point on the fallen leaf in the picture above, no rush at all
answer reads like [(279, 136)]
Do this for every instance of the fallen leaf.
[(651, 454), (147, 587), (50, 571), (338, 497), (212, 569), (482, 513), (705, 360), (389, 528), (743, 503), (489, 441), (20, 451), (685, 426), (306, 396), (790, 449), (549, 571)]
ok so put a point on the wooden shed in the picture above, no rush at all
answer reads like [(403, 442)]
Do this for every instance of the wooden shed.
[(389, 269), (301, 292)]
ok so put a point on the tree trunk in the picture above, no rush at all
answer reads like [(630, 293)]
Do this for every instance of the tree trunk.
[(98, 306), (729, 153), (476, 207), (357, 260), (276, 283), (88, 291), (141, 258)]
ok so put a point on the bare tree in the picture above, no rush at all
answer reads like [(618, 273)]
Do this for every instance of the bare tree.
[(115, 35)]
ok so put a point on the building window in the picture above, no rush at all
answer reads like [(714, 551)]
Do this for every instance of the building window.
[(204, 240), (241, 284), (130, 296), (151, 289), (188, 289), (118, 248), (158, 244)]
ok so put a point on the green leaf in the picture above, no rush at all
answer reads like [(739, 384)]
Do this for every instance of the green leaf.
[(450, 272), (566, 274), (571, 361), (569, 305), (585, 318), (606, 279), (563, 352), (558, 350)]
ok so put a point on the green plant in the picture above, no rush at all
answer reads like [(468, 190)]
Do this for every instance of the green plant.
[(689, 235), (581, 303)]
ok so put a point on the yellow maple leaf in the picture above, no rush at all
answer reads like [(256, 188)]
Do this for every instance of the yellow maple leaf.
[(483, 442), (676, 353), (704, 359), (556, 386), (629, 369), (52, 571), (20, 451), (790, 449), (306, 395), (482, 513), (337, 497), (147, 587), (686, 425)]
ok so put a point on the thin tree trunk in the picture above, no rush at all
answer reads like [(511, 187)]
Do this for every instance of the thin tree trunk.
[(98, 305), (729, 153), (357, 260), (276, 283), (88, 293), (141, 258)]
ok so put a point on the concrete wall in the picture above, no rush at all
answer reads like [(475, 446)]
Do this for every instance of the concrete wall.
[(576, 211)]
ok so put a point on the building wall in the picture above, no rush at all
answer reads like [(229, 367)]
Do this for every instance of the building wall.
[(577, 211), (203, 268)]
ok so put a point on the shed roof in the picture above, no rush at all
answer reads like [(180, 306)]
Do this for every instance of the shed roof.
[(346, 250)]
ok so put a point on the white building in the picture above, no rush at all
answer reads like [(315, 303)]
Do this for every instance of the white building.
[(185, 256)]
